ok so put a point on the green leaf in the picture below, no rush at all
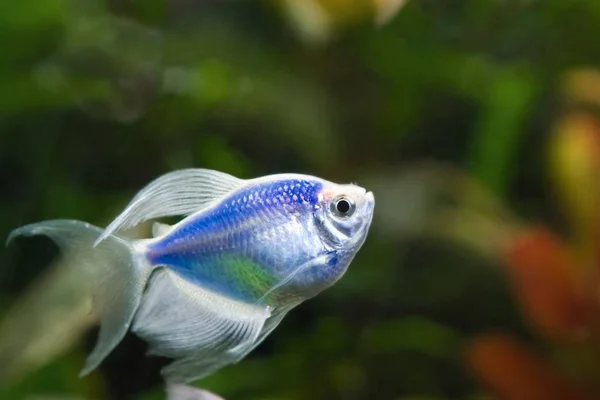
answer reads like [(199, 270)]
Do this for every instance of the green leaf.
[(500, 127)]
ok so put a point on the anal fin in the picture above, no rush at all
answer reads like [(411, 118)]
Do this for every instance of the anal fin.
[(201, 330)]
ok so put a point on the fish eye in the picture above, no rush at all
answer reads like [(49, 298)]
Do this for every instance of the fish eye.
[(343, 207)]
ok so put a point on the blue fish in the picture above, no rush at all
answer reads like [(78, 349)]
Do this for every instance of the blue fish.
[(207, 290)]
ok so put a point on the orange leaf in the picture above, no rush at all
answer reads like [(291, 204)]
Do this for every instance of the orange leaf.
[(507, 368), (548, 285)]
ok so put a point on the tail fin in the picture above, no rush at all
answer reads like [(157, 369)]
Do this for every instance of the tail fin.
[(113, 271)]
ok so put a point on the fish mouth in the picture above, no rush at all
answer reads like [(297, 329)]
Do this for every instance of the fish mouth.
[(370, 198), (369, 201)]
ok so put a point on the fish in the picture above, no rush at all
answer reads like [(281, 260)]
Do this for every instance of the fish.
[(207, 290)]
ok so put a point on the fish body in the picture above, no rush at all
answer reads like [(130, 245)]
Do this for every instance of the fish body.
[(207, 290), (256, 237)]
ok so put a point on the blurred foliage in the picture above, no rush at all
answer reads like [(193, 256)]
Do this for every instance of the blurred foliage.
[(476, 124)]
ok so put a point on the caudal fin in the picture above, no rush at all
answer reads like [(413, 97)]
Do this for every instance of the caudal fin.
[(113, 272)]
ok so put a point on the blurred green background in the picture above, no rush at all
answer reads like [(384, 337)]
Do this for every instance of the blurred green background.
[(99, 98)]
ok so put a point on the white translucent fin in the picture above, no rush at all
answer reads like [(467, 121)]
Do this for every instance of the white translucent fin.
[(115, 275), (159, 229), (184, 392), (201, 330), (315, 262), (180, 192), (271, 323)]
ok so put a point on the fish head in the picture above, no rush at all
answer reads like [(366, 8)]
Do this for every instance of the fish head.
[(321, 226), (344, 215)]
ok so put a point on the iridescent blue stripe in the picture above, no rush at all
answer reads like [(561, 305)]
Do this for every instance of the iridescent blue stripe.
[(203, 248)]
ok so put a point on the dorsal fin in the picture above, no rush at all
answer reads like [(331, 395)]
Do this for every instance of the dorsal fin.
[(181, 192)]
